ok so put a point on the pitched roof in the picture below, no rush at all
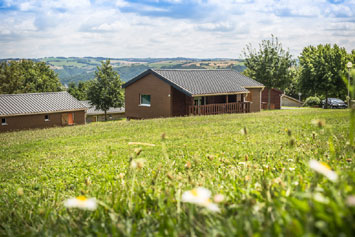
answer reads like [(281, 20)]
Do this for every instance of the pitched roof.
[(291, 98), (202, 82), (93, 111), (33, 103)]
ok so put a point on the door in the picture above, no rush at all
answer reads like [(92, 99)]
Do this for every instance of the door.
[(197, 103), (67, 119), (70, 119)]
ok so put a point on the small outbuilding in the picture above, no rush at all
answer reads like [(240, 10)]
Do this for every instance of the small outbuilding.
[(290, 101), (181, 92), (275, 98), (94, 115), (40, 110)]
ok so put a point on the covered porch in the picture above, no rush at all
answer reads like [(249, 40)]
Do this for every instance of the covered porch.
[(219, 104)]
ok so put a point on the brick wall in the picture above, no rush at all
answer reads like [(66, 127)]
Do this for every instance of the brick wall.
[(255, 98), (275, 98), (38, 121), (160, 98)]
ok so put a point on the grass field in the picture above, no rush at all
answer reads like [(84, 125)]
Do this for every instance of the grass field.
[(258, 162)]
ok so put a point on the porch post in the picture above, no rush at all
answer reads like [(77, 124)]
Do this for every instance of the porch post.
[(226, 99)]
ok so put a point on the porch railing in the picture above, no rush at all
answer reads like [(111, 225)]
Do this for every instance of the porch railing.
[(238, 107)]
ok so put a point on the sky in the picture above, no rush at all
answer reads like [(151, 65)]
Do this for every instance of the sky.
[(169, 28)]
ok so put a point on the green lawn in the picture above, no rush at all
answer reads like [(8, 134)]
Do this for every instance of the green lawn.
[(268, 187)]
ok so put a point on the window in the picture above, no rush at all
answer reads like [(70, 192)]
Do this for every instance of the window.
[(3, 121), (145, 100), (46, 117), (110, 116)]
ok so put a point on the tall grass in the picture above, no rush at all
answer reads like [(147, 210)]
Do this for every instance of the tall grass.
[(258, 162)]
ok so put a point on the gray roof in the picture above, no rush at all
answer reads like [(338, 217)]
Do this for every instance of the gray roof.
[(202, 82), (34, 103), (93, 111)]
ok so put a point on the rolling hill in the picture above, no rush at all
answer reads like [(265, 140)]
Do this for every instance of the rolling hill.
[(74, 69)]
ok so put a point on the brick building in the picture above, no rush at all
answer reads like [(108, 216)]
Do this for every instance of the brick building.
[(40, 110), (275, 98), (94, 115), (180, 92)]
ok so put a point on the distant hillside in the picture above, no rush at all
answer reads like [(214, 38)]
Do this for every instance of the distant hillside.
[(75, 69)]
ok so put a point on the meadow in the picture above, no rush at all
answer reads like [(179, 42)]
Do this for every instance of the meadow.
[(139, 173)]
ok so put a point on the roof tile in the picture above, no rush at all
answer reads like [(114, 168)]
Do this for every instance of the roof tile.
[(32, 103)]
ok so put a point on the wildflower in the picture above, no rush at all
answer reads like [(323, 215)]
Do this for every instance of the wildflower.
[(218, 198), (138, 163), (244, 131), (277, 180), (170, 176), (188, 165), (257, 185), (314, 135), (88, 181), (20, 191), (137, 151), (350, 201), (140, 143), (291, 169), (210, 157), (323, 169), (121, 175), (200, 196), (320, 198), (81, 202), (318, 122)]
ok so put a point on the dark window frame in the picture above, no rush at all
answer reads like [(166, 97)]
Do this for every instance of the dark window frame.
[(46, 118), (3, 121), (141, 96)]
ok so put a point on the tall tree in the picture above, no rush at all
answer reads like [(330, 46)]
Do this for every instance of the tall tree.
[(80, 90), (26, 76), (292, 88), (105, 90), (322, 70), (269, 64)]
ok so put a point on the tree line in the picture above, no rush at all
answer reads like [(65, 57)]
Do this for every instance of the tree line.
[(320, 71), (27, 76)]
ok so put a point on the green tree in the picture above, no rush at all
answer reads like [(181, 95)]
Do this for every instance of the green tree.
[(105, 90), (80, 90), (322, 70), (269, 64), (293, 87), (26, 76)]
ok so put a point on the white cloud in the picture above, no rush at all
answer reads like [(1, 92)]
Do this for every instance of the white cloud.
[(81, 28)]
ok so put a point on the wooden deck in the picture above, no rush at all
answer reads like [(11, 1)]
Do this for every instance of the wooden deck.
[(238, 107)]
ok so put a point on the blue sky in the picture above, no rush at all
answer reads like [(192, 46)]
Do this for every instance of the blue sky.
[(169, 28)]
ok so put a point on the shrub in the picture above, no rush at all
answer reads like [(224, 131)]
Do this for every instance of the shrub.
[(312, 101)]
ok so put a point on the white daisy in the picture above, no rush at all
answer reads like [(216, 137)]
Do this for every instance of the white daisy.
[(200, 196), (137, 163), (350, 200), (218, 198), (323, 169), (81, 202)]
